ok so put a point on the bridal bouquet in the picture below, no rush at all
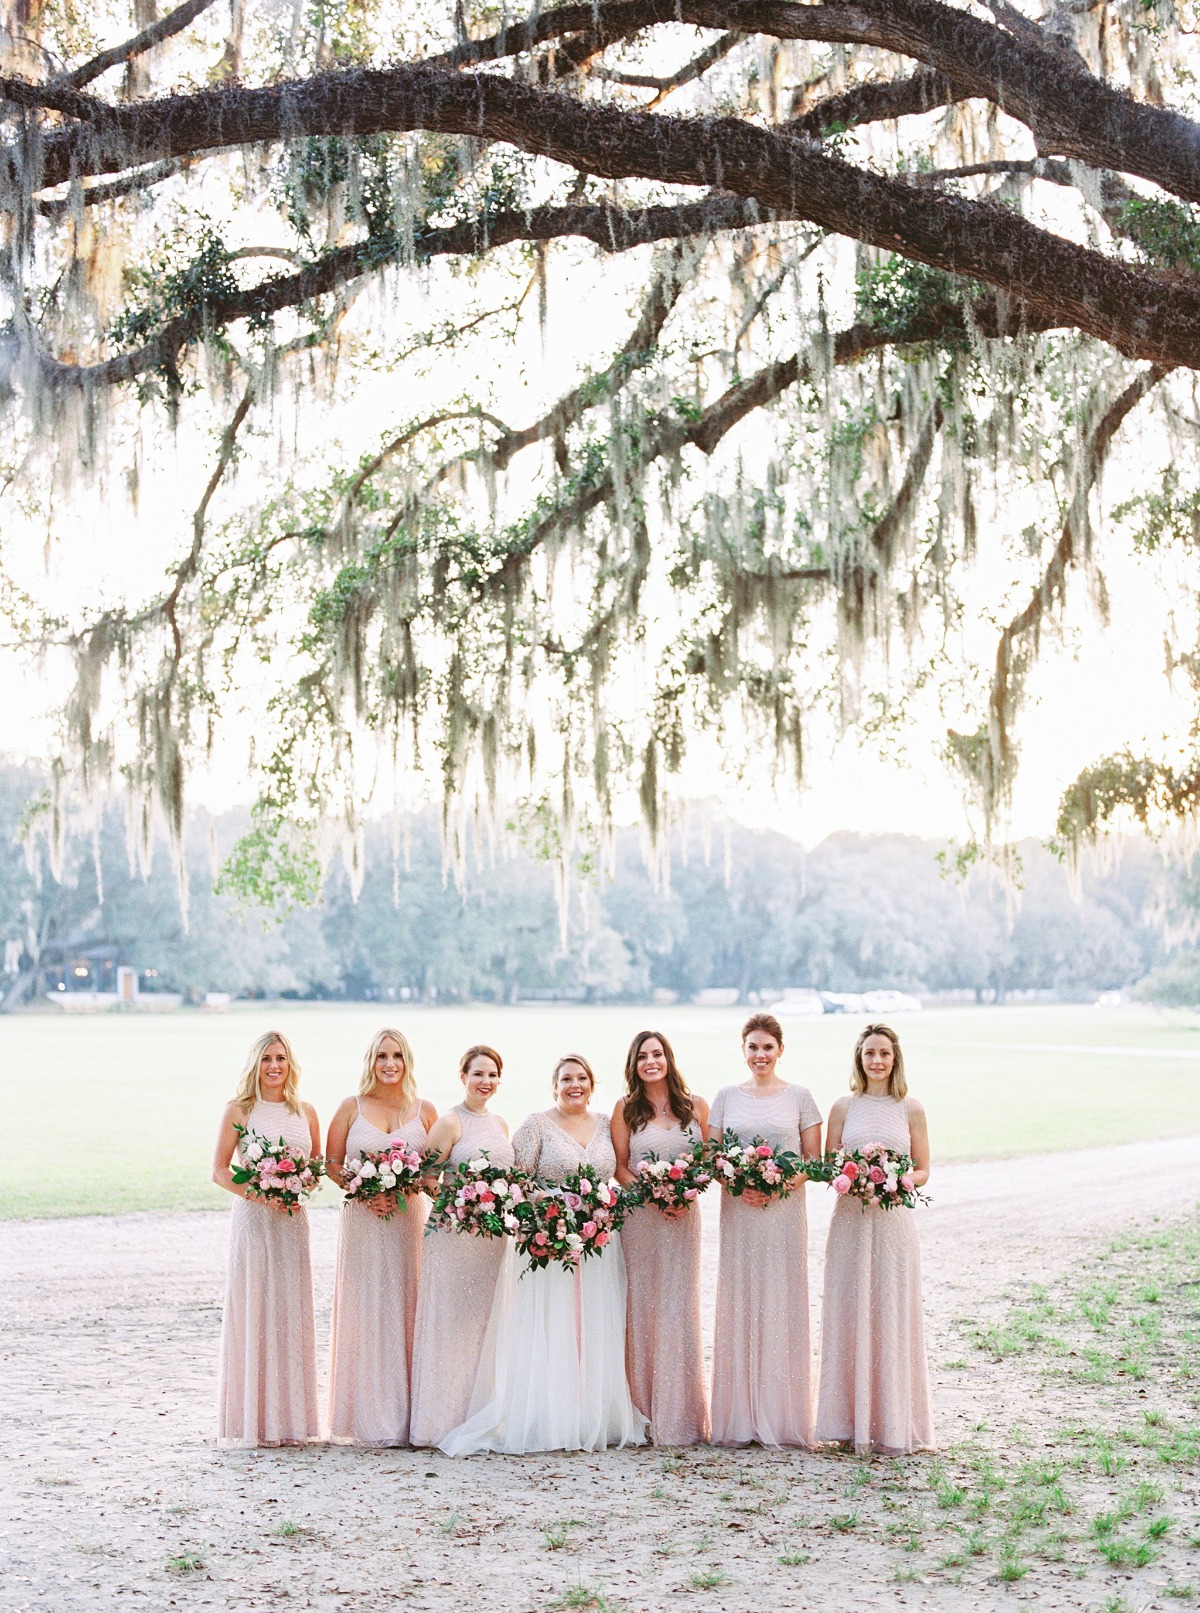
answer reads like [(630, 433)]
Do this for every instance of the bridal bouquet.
[(672, 1183), (477, 1196), (398, 1169), (571, 1220), (738, 1166), (872, 1175), (275, 1172)]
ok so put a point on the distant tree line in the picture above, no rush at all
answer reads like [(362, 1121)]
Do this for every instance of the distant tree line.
[(759, 913)]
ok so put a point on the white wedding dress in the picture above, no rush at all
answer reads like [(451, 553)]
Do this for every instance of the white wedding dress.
[(552, 1373)]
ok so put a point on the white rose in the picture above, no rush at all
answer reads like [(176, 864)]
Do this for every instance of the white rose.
[(387, 1178), (367, 1168), (500, 1188), (253, 1154), (477, 1164), (574, 1241), (510, 1223)]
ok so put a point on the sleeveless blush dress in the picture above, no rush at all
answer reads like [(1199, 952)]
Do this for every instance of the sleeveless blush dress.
[(458, 1283), (267, 1382), (375, 1306), (874, 1382), (762, 1355), (664, 1346), (552, 1371)]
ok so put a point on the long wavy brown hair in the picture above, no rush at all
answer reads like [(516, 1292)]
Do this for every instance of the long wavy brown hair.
[(639, 1111)]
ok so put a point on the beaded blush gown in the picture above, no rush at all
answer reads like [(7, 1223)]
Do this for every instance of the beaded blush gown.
[(664, 1348), (267, 1382), (762, 1355), (874, 1381), (459, 1273), (375, 1305), (552, 1372)]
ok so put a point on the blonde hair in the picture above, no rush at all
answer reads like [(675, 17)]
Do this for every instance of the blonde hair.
[(408, 1081), (574, 1058), (248, 1092), (897, 1083)]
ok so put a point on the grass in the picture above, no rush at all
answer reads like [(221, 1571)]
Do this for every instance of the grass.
[(146, 1090), (707, 1579), (188, 1562)]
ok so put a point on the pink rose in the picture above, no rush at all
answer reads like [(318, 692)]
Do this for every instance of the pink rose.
[(841, 1184), (689, 1193), (285, 1167), (850, 1171), (763, 1151), (541, 1238), (487, 1197), (877, 1175), (906, 1182), (588, 1229), (602, 1238), (675, 1173)]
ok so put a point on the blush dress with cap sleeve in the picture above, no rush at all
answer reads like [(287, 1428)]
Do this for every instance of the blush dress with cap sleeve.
[(762, 1350)]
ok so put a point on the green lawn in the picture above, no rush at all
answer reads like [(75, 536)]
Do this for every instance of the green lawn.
[(138, 1097)]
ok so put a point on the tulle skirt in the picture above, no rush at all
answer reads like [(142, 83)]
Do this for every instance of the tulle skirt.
[(552, 1373)]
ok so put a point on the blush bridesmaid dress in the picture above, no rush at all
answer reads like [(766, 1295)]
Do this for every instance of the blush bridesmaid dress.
[(762, 1354), (375, 1305), (664, 1346), (458, 1283), (267, 1382), (874, 1381)]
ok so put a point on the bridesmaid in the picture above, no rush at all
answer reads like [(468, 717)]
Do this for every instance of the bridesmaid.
[(664, 1352), (874, 1383), (458, 1272), (762, 1357), (267, 1386), (379, 1255)]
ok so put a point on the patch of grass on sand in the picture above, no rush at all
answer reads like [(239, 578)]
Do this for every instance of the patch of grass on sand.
[(1101, 1491)]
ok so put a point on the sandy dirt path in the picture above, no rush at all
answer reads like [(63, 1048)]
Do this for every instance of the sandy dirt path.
[(108, 1473)]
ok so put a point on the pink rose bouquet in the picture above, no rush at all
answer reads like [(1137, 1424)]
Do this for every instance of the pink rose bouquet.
[(275, 1172), (672, 1183), (872, 1175), (478, 1197), (572, 1219), (738, 1166), (399, 1168)]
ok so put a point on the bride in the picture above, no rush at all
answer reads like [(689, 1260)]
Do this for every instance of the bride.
[(552, 1375)]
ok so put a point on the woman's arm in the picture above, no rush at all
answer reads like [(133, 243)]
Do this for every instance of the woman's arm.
[(443, 1135), (619, 1127), (918, 1130), (527, 1144), (227, 1141), (335, 1144), (700, 1115), (837, 1119), (428, 1114), (314, 1128)]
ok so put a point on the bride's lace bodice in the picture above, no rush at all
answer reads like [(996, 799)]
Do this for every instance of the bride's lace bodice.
[(543, 1147)]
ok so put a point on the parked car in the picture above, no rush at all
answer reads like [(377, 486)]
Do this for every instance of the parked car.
[(800, 1001), (842, 1002), (890, 1002)]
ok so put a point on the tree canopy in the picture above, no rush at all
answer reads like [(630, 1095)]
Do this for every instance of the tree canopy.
[(850, 305)]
